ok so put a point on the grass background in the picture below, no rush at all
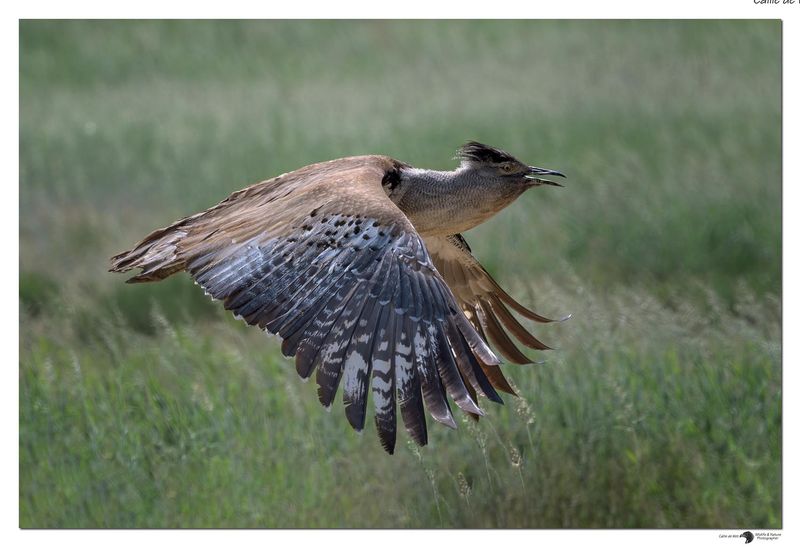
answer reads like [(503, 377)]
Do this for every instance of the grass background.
[(148, 406)]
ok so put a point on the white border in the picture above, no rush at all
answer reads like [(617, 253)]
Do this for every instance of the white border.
[(413, 9), (584, 9)]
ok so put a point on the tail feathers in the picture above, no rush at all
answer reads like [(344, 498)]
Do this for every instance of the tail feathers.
[(157, 255)]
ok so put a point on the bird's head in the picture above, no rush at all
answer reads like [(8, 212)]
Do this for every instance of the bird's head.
[(495, 164)]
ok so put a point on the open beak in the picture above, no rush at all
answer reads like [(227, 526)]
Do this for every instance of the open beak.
[(534, 173)]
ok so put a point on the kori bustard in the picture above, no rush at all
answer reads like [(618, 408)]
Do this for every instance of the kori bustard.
[(359, 265)]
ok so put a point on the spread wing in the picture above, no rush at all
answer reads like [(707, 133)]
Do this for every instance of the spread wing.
[(483, 301), (322, 258)]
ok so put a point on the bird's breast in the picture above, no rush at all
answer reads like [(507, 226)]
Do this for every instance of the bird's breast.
[(450, 214), (448, 219)]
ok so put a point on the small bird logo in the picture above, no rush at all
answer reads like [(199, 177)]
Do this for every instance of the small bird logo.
[(748, 537)]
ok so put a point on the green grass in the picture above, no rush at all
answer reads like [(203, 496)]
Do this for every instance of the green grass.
[(148, 406)]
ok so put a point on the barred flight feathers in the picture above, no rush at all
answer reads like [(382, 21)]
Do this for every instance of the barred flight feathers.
[(324, 259)]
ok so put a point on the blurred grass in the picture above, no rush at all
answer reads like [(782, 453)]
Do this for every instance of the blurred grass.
[(148, 406)]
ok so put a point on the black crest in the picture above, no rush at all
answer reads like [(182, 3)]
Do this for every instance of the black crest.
[(475, 151)]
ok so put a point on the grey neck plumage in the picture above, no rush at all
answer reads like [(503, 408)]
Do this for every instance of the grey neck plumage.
[(449, 202), (442, 181)]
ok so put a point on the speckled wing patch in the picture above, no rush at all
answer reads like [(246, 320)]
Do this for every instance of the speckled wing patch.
[(359, 302)]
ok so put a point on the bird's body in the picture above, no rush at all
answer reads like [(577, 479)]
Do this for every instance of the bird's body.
[(359, 266)]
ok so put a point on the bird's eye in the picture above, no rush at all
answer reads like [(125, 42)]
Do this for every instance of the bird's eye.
[(506, 168)]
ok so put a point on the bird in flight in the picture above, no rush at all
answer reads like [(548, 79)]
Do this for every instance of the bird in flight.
[(359, 266)]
